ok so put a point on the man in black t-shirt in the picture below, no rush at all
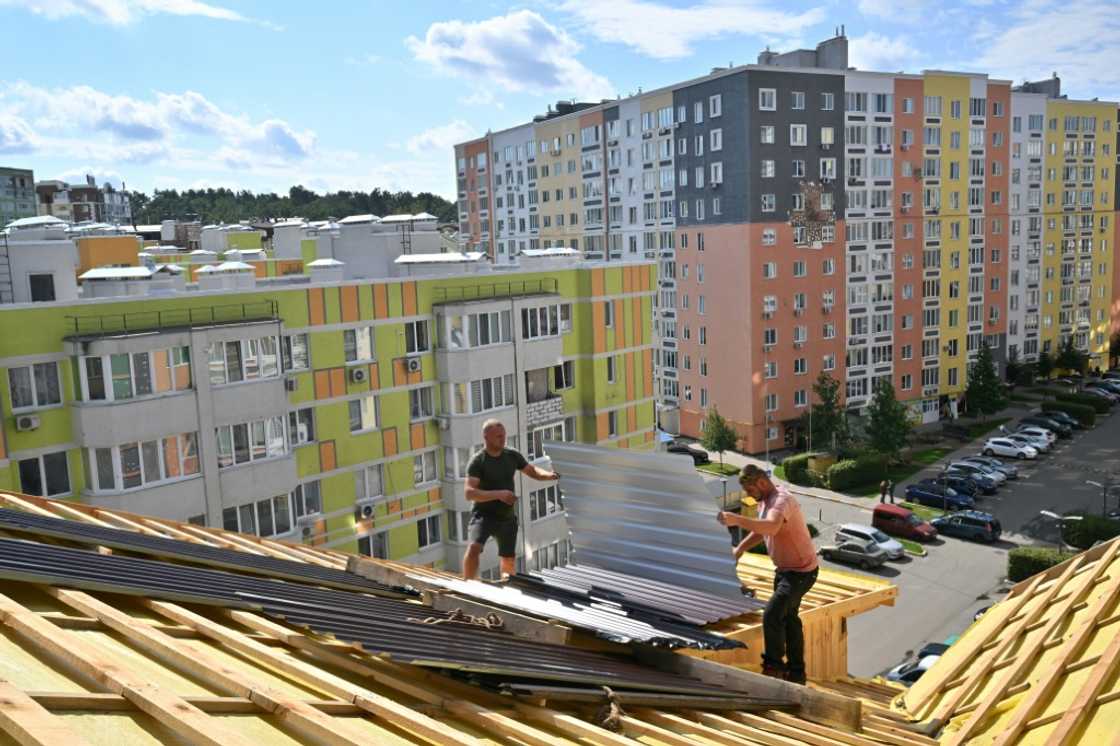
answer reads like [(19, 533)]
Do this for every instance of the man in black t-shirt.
[(490, 489)]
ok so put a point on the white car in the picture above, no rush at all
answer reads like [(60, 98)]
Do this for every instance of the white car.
[(1009, 448), (860, 532), (1041, 432), (1040, 444)]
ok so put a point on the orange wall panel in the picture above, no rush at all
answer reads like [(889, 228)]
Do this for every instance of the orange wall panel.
[(338, 381), (380, 302), (647, 372), (389, 437), (316, 311), (322, 384), (374, 380), (417, 436), (408, 297), (349, 301), (327, 455), (599, 326)]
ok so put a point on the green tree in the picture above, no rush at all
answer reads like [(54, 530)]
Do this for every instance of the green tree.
[(719, 436), (888, 422), (985, 394), (1045, 365), (826, 421), (1071, 358), (1013, 371)]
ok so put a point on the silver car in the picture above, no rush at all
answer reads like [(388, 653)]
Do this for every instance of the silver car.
[(862, 533), (866, 554)]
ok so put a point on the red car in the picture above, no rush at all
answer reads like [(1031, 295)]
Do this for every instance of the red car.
[(898, 521)]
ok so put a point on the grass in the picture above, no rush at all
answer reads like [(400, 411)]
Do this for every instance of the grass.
[(780, 472), (924, 512), (901, 472), (912, 547), (726, 470)]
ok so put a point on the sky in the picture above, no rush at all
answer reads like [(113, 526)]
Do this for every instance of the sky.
[(261, 95)]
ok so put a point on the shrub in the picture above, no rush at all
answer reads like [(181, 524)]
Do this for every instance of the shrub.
[(1085, 415), (855, 472), (1089, 530), (1099, 404), (1023, 562), (797, 469)]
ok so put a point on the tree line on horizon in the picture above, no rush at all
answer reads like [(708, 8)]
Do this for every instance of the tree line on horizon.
[(228, 206)]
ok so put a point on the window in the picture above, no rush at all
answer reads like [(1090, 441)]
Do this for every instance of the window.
[(427, 530), (771, 401), (612, 424), (545, 502), (229, 362), (268, 517), (715, 140), (138, 374), (41, 287), (608, 314), (769, 237), (797, 100), (46, 475), (611, 369), (767, 99), (766, 169), (294, 351), (415, 338), (800, 398), (375, 545), (301, 426), (828, 101), (542, 321), (715, 105), (769, 269), (250, 441), (768, 203), (420, 403), (363, 413), (424, 468), (369, 482), (34, 386), (716, 176), (698, 112), (358, 344), (133, 465), (767, 134), (798, 134)]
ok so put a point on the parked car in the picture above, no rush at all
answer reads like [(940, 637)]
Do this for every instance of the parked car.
[(699, 455), (1009, 448), (1108, 396), (1107, 385), (1111, 375), (910, 671), (980, 612), (866, 554), (860, 532), (899, 521), (1060, 429), (929, 492), (1042, 445), (967, 483), (976, 470), (1039, 432), (1064, 418), (932, 648), (1008, 470), (969, 524)]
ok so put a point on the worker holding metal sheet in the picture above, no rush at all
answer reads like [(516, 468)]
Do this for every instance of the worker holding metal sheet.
[(489, 487), (781, 525)]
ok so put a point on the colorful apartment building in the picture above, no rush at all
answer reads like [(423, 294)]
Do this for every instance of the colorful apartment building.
[(809, 217), (342, 411)]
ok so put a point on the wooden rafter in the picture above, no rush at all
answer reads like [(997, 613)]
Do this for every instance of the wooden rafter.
[(28, 723)]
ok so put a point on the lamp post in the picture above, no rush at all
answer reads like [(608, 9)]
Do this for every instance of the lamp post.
[(1105, 489), (1061, 519)]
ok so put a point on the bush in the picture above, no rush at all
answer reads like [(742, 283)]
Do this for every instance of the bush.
[(1089, 530), (855, 472), (1085, 415), (1023, 562), (797, 469), (1099, 404)]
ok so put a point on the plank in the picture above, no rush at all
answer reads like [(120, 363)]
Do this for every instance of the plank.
[(25, 503), (177, 714), (519, 625), (28, 723)]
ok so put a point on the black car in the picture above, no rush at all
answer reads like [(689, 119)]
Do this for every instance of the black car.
[(1062, 417), (1060, 429), (965, 485), (699, 455)]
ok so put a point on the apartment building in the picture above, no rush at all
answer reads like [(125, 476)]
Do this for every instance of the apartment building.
[(340, 410), (17, 194), (871, 225), (78, 203)]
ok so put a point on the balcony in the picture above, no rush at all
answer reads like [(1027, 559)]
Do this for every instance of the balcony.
[(258, 479), (177, 500), (249, 400), (106, 424), (548, 409), (98, 325)]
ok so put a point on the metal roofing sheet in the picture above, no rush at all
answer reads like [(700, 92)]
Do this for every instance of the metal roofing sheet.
[(644, 514)]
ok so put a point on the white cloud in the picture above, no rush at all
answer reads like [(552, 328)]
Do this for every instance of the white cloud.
[(126, 12), (873, 51), (100, 175), (666, 32), (519, 51), (1078, 39), (16, 135), (897, 11), (440, 138)]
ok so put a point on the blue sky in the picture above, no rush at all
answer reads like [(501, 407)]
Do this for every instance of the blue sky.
[(263, 95)]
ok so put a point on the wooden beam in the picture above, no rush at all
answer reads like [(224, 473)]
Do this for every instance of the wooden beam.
[(684, 727), (25, 503), (105, 702), (376, 704), (533, 692), (176, 532), (65, 510), (812, 704), (519, 625), (120, 521), (304, 720), (28, 723), (1086, 698), (181, 717)]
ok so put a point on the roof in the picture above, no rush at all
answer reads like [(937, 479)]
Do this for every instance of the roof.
[(92, 656), (353, 219), (38, 221), (292, 223), (450, 257), (233, 267), (405, 217), (553, 251), (117, 273), (326, 262), (1040, 667)]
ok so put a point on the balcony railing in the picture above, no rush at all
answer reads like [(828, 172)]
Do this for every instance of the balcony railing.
[(137, 321), (484, 291)]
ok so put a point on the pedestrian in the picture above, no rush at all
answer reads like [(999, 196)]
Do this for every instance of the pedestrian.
[(781, 525), (884, 490), (489, 488), (890, 490)]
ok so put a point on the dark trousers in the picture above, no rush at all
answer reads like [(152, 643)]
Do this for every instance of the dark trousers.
[(781, 625)]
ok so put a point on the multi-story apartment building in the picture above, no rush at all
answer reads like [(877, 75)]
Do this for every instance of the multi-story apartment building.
[(17, 194), (343, 411), (78, 203), (811, 217)]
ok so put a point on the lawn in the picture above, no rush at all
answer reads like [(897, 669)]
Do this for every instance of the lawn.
[(901, 472), (912, 547), (726, 470), (780, 472), (924, 512)]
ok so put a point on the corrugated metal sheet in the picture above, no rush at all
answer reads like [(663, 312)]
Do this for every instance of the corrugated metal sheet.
[(644, 514)]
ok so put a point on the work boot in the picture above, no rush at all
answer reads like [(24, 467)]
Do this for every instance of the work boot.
[(796, 676), (777, 670)]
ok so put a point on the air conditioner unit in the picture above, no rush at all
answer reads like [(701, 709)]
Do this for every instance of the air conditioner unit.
[(826, 146), (826, 179), (291, 384), (444, 422), (905, 208), (798, 311), (363, 508), (798, 345), (412, 364), (27, 422), (358, 375), (767, 314), (905, 146)]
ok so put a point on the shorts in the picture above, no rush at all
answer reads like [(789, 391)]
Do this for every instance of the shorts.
[(504, 531)]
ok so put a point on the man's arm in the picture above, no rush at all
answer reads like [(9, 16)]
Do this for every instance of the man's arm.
[(767, 526), (748, 543), (540, 475), (474, 494)]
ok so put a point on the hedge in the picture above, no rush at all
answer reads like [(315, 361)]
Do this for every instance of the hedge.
[(1085, 415), (1089, 530), (855, 472), (797, 469), (1023, 562), (1098, 403)]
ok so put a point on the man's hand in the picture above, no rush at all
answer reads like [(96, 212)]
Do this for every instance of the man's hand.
[(507, 496), (551, 476), (738, 552), (722, 517)]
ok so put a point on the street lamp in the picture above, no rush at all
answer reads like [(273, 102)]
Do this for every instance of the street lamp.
[(1061, 519), (1105, 488)]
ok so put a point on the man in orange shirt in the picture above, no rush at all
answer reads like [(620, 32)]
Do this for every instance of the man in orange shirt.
[(782, 526)]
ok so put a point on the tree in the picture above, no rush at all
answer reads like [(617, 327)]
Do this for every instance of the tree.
[(985, 394), (826, 421), (718, 435), (888, 422), (1045, 365), (1013, 371), (1071, 358)]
